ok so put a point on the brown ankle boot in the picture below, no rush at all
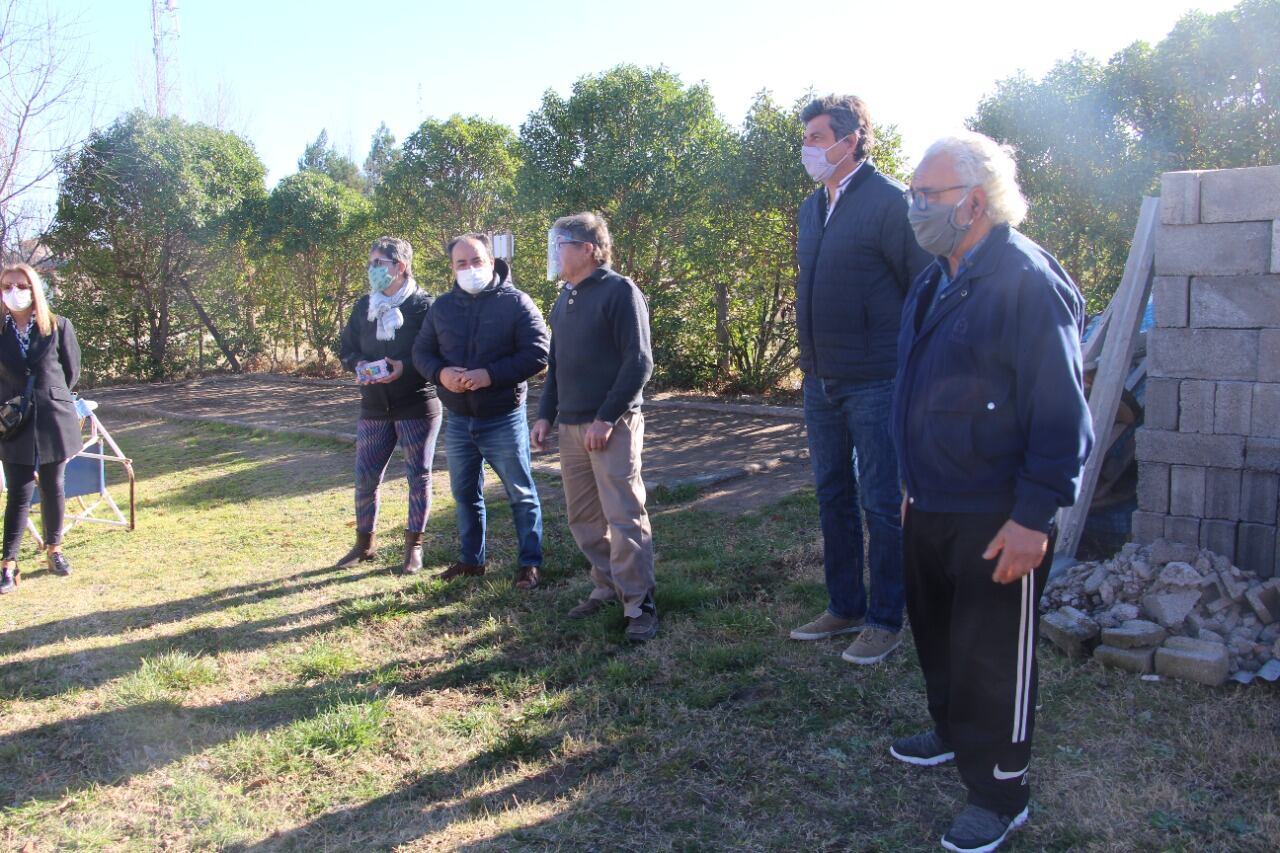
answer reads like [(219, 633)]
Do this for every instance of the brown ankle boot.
[(412, 552), (363, 550)]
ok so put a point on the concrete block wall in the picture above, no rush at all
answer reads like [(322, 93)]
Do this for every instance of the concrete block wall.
[(1209, 450)]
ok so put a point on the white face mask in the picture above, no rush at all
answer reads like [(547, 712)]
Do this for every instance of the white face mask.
[(475, 279), (815, 162), (17, 300)]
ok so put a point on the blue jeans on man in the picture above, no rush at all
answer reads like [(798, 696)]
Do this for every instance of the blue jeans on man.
[(855, 467), (503, 442)]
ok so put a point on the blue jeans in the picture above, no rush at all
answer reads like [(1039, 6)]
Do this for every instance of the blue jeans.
[(854, 463), (503, 442)]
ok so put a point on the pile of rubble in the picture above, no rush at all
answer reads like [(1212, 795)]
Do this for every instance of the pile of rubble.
[(1168, 608)]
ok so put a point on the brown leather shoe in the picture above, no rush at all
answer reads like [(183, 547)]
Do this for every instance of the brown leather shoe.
[(527, 578), (412, 553), (363, 551), (460, 570)]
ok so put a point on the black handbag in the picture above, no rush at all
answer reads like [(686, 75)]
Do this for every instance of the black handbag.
[(16, 411)]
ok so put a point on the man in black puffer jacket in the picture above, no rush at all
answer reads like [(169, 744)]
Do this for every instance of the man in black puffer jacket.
[(857, 257), (480, 344)]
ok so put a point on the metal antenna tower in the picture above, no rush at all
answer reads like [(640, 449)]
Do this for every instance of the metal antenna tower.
[(164, 37)]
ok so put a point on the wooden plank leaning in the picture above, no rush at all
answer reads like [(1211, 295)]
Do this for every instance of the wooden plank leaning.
[(1125, 315)]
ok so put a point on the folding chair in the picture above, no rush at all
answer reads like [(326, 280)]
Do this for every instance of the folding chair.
[(86, 477)]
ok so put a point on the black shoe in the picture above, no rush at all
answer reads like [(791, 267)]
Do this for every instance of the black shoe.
[(59, 564), (8, 580), (644, 627), (923, 750), (979, 830)]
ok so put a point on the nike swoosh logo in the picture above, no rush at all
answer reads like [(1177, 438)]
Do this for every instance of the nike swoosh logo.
[(1004, 776)]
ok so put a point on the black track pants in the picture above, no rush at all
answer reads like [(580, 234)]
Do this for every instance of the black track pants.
[(976, 641)]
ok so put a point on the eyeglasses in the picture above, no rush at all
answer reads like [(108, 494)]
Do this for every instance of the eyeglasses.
[(560, 243), (919, 199), (382, 262)]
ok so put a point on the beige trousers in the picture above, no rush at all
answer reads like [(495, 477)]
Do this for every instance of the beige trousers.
[(604, 496)]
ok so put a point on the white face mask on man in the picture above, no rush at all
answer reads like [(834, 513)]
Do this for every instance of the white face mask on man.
[(475, 279)]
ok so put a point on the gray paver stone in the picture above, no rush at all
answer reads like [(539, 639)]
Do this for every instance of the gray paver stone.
[(1139, 660), (1075, 636), (1193, 660), (1170, 608), (1134, 634)]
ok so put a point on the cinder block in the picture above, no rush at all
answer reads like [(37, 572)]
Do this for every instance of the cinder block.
[(1180, 198), (1195, 406), (1219, 537), (1266, 406), (1217, 354), (1235, 302), (1259, 491), (1181, 528), (1232, 408), (1169, 300), (1206, 663), (1256, 547), (1262, 454), (1268, 355), (1237, 248), (1186, 448), (1186, 491), (1275, 246), (1146, 527), (1240, 195), (1160, 407), (1153, 487), (1222, 493), (1141, 661)]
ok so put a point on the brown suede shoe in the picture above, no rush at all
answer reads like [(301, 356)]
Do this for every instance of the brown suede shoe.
[(362, 551), (527, 578), (460, 570), (590, 607), (412, 553)]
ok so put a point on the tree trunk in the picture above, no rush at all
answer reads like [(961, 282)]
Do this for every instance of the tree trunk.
[(722, 328), (213, 330)]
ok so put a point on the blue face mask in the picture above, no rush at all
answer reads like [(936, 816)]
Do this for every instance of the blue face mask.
[(380, 278)]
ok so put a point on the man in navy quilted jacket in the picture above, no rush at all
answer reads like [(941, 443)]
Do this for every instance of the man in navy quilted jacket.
[(857, 258), (992, 430)]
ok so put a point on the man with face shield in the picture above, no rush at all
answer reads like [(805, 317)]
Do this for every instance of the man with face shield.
[(857, 258), (992, 431), (480, 344), (600, 361)]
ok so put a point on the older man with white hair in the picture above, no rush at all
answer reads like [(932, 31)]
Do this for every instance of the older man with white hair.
[(992, 429)]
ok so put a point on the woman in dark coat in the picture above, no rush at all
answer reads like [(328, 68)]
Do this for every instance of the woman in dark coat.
[(35, 343), (399, 408)]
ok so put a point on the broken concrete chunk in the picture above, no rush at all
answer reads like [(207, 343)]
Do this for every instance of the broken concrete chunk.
[(1071, 631), (1204, 663), (1170, 608), (1134, 634), (1179, 574), (1094, 582), (1163, 551), (1255, 599)]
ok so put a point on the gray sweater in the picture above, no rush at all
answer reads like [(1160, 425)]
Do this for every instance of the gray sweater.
[(600, 352)]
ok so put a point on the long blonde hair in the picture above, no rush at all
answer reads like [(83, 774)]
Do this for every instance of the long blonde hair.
[(44, 317)]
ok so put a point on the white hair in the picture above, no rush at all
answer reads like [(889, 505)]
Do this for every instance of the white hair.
[(980, 161)]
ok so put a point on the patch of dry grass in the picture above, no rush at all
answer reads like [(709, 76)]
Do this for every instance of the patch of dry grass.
[(210, 682)]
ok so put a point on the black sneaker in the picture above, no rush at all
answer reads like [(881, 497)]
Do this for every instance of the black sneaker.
[(8, 580), (923, 750), (59, 564), (979, 830)]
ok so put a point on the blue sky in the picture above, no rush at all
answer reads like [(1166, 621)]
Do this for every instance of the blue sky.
[(277, 71)]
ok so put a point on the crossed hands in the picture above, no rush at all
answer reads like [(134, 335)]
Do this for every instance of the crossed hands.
[(460, 381)]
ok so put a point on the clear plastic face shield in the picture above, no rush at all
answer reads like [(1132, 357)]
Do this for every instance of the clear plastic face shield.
[(553, 257)]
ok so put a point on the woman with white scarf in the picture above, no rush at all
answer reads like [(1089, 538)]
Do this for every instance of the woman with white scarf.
[(397, 405)]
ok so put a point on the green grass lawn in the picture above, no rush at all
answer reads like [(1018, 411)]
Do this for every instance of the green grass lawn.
[(210, 682)]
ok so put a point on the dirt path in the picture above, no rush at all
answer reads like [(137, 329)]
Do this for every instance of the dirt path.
[(734, 457)]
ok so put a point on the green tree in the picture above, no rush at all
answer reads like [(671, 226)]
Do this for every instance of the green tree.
[(149, 211), (383, 153), (645, 150), (452, 176), (318, 229), (320, 156)]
